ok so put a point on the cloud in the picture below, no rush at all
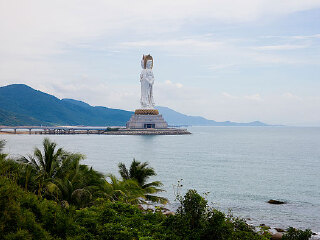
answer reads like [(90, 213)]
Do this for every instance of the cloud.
[(229, 96), (171, 84), (278, 59), (123, 96), (280, 47), (254, 97), (39, 29), (47, 27), (51, 44), (291, 96), (217, 67), (313, 36), (177, 43)]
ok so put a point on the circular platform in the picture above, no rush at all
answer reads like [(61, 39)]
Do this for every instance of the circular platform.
[(146, 112)]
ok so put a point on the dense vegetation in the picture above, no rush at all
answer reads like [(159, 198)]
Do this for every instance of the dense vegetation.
[(22, 105), (50, 195)]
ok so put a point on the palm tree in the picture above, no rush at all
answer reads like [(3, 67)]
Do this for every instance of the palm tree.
[(63, 183), (13, 169), (74, 183), (2, 144), (65, 190), (55, 174), (141, 172), (45, 163), (57, 170), (127, 190), (48, 161)]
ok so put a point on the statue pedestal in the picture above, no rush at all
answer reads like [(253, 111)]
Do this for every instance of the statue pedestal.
[(146, 119)]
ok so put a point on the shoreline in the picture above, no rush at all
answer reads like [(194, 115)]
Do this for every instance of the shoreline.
[(275, 231)]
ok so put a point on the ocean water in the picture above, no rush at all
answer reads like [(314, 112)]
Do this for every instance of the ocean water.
[(241, 167)]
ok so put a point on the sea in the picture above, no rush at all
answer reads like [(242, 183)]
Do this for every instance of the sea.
[(238, 169)]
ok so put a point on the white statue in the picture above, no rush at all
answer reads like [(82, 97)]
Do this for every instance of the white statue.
[(147, 80)]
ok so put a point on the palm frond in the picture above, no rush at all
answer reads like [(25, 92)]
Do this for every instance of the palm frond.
[(140, 172), (2, 144), (40, 161), (123, 171), (156, 199), (153, 184)]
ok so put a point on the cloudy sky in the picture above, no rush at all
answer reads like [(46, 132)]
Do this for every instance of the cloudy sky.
[(225, 60)]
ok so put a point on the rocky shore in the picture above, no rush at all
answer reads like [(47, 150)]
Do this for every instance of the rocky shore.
[(277, 233)]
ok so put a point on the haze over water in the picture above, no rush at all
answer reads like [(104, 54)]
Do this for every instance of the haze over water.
[(241, 167)]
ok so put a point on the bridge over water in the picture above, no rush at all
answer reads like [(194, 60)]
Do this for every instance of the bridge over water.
[(56, 129)]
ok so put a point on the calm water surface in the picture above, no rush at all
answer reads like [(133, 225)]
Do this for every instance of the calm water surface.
[(241, 167)]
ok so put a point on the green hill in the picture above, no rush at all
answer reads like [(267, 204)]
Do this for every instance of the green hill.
[(23, 105)]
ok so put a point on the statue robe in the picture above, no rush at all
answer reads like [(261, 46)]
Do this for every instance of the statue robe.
[(147, 80)]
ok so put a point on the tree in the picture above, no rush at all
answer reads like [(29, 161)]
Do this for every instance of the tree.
[(61, 177), (48, 161), (2, 144), (45, 163), (141, 172), (127, 190), (297, 234)]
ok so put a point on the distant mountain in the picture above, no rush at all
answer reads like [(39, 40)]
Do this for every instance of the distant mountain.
[(23, 105), (178, 119)]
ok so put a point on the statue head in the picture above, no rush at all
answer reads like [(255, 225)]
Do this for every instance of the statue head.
[(147, 62)]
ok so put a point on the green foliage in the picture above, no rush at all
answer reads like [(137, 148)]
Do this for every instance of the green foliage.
[(60, 176), (46, 163), (141, 172), (296, 234), (2, 144), (193, 208), (127, 191), (56, 174), (15, 219), (23, 213), (196, 220)]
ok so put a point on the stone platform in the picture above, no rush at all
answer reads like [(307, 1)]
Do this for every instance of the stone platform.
[(139, 121), (166, 131), (148, 122)]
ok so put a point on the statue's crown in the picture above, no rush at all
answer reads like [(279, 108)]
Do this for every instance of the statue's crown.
[(145, 58)]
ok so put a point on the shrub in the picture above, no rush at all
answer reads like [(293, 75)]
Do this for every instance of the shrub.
[(195, 220), (296, 234)]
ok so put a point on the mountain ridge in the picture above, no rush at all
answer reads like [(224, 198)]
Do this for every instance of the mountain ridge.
[(22, 105), (21, 100), (175, 118)]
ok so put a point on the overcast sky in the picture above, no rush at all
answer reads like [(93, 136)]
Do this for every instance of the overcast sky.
[(225, 60)]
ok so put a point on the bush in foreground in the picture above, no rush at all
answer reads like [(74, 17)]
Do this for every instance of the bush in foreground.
[(296, 234), (33, 217)]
